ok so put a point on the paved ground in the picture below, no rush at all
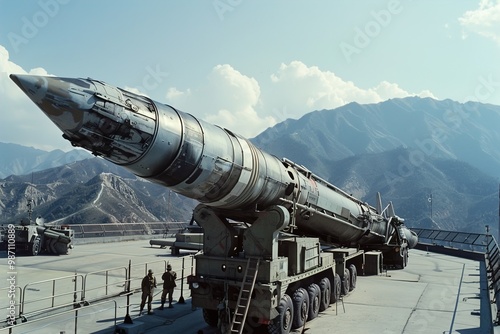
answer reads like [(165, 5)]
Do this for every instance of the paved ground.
[(434, 294)]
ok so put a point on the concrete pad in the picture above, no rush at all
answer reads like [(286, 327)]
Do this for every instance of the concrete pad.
[(434, 294)]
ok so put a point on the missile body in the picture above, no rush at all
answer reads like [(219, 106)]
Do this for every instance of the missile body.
[(200, 160)]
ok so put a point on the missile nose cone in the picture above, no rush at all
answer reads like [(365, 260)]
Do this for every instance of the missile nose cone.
[(31, 85), (63, 100)]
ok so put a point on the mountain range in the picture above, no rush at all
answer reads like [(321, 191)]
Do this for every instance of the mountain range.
[(437, 161), (19, 160), (90, 191), (429, 128)]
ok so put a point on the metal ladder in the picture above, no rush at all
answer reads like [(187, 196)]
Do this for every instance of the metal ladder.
[(246, 289)]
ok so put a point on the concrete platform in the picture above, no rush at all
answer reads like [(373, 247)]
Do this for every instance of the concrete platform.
[(434, 294)]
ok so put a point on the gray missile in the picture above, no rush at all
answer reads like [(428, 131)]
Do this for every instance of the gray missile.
[(202, 161)]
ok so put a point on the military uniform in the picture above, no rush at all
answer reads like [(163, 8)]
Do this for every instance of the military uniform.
[(147, 285), (168, 278)]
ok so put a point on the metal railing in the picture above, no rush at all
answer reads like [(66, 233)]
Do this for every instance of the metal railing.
[(484, 244), (58, 298), (48, 298), (461, 240), (493, 270), (67, 318), (124, 229)]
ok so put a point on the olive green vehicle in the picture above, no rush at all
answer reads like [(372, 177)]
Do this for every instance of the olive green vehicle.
[(33, 238)]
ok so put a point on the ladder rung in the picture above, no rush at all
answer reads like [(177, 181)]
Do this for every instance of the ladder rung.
[(243, 302)]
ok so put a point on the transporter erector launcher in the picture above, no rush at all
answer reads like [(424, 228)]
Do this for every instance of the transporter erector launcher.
[(202, 161)]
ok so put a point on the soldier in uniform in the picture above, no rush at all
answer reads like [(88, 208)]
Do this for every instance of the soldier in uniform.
[(147, 285), (169, 278)]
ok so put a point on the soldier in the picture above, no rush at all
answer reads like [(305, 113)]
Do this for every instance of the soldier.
[(168, 278), (147, 285)]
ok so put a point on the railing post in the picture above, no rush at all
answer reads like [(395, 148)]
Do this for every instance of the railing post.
[(21, 301), (75, 296), (192, 265), (76, 321), (53, 292), (181, 298), (128, 319)]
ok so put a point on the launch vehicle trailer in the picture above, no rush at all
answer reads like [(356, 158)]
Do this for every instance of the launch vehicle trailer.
[(259, 277)]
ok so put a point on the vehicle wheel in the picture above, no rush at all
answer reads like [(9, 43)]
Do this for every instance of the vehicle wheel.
[(282, 324), (346, 282), (337, 288), (300, 307), (61, 248), (354, 276), (211, 317), (35, 245), (314, 301), (326, 293), (51, 246)]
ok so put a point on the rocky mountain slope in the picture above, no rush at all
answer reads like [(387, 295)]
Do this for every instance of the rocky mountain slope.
[(90, 191), (18, 160), (440, 193), (429, 128)]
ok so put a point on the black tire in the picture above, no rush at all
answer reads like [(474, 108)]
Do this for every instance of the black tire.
[(346, 282), (314, 300), (211, 317), (354, 276), (326, 293), (35, 245), (51, 245), (337, 288), (61, 248), (282, 324), (300, 307)]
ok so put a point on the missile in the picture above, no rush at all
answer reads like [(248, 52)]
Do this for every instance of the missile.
[(203, 161)]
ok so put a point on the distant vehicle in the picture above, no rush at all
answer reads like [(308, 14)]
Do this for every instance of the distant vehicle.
[(191, 238), (32, 238)]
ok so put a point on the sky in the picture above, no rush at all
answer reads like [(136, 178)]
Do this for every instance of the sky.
[(248, 65)]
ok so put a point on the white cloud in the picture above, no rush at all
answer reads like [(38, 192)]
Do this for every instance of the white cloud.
[(226, 98), (484, 21), (22, 122), (135, 90), (234, 101), (298, 89)]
